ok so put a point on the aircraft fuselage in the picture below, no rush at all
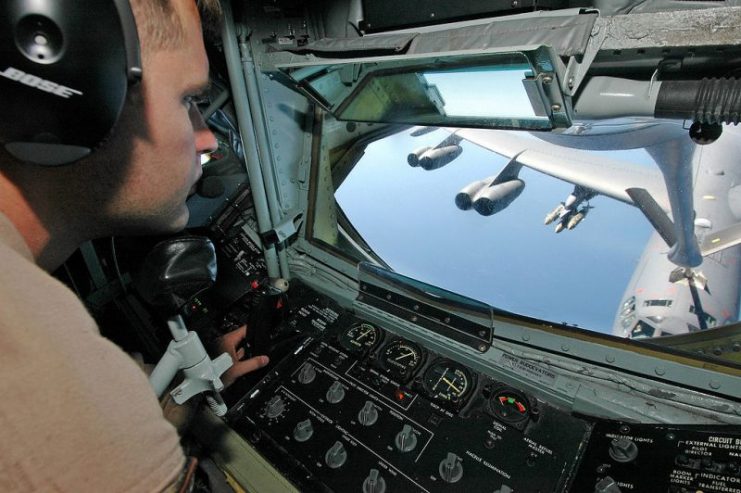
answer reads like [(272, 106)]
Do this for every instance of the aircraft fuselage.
[(652, 304)]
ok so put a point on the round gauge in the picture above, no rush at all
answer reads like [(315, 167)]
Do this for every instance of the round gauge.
[(447, 381), (360, 337), (401, 357), (510, 406)]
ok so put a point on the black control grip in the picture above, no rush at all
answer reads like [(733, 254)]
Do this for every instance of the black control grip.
[(266, 309)]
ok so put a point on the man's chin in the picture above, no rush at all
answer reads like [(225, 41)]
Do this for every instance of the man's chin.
[(160, 224)]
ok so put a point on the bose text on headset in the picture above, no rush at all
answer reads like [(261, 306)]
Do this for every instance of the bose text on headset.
[(65, 67)]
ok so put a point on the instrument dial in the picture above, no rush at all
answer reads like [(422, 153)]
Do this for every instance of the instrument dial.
[(360, 337), (401, 357), (510, 406), (447, 381)]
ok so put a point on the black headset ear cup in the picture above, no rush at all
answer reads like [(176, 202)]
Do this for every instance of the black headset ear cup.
[(65, 66)]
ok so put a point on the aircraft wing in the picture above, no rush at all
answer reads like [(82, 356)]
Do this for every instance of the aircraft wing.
[(606, 176)]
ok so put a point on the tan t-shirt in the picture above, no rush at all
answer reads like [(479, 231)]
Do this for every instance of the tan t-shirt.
[(76, 413)]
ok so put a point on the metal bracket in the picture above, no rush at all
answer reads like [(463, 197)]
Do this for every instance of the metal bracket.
[(576, 71), (283, 231)]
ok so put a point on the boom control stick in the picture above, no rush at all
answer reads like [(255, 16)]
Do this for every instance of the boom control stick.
[(267, 305), (173, 273)]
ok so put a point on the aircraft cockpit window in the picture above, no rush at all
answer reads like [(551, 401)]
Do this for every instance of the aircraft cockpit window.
[(539, 224), (666, 303), (710, 320), (465, 219), (642, 330)]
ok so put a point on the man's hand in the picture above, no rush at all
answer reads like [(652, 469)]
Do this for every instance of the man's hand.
[(228, 343)]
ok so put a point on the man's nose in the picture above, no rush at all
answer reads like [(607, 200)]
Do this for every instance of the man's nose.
[(205, 139)]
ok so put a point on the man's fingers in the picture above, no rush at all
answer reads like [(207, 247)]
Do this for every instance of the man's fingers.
[(240, 353), (243, 367), (235, 336)]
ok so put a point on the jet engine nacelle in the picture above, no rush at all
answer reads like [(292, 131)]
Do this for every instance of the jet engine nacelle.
[(495, 198), (413, 158), (464, 199), (439, 157)]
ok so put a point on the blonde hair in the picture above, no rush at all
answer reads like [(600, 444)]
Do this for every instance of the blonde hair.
[(160, 28)]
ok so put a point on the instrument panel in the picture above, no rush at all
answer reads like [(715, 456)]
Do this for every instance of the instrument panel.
[(358, 408)]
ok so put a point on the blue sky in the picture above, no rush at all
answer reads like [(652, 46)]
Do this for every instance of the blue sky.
[(509, 260), (478, 99)]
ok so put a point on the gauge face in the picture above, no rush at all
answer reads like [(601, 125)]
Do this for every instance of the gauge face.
[(447, 381), (360, 337), (401, 357), (510, 406)]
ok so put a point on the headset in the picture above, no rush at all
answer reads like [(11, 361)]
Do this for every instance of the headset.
[(65, 68)]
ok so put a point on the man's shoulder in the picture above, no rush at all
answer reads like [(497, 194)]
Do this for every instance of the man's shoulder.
[(12, 239)]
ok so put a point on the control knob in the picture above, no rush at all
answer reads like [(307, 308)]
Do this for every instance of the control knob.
[(451, 469), (307, 374), (335, 393), (303, 430), (275, 407), (623, 450), (406, 440), (336, 455), (606, 485), (374, 483), (368, 415)]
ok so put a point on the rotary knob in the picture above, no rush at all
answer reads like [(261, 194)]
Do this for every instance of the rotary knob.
[(607, 485), (275, 407), (335, 393), (307, 374), (303, 430), (368, 415), (406, 440), (451, 469), (336, 455), (623, 450), (374, 483)]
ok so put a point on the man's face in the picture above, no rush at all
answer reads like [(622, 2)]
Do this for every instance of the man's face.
[(164, 162)]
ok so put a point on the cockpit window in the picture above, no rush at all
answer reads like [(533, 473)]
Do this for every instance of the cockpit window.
[(509, 259), (528, 234), (710, 320), (642, 330), (666, 303)]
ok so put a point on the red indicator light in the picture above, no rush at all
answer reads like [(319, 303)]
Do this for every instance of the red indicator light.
[(400, 395), (255, 284)]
